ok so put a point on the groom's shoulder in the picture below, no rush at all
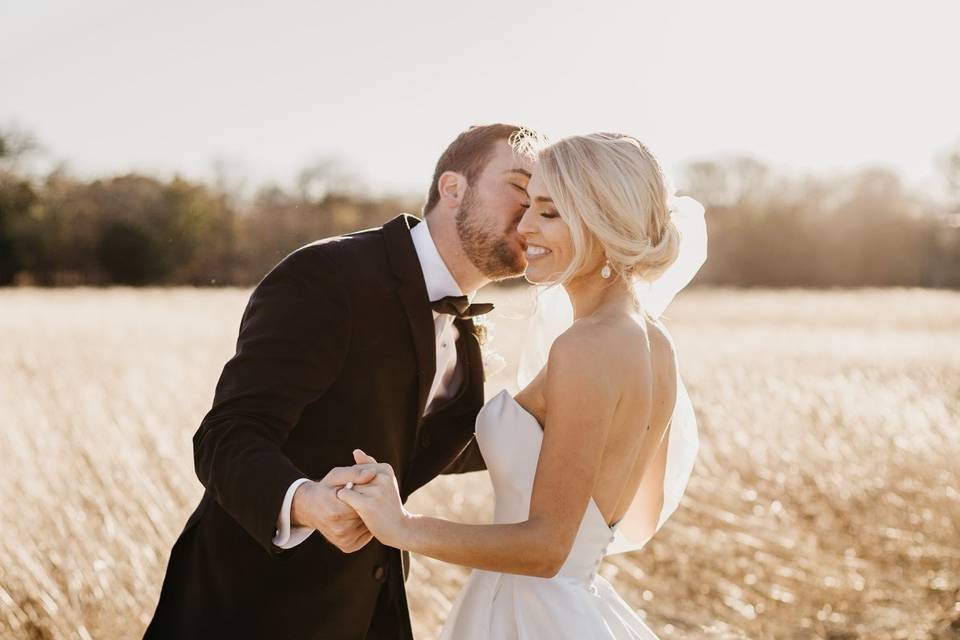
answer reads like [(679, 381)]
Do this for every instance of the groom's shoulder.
[(347, 257), (357, 245)]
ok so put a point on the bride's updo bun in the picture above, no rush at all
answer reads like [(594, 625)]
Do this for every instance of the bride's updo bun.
[(610, 190)]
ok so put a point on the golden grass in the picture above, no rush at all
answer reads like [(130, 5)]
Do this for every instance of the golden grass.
[(825, 503)]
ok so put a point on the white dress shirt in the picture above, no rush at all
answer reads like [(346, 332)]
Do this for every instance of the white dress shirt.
[(446, 382)]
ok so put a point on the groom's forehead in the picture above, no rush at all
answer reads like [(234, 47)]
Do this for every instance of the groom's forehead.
[(506, 159)]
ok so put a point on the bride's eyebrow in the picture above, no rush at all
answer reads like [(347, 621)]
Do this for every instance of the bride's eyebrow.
[(520, 171), (543, 199)]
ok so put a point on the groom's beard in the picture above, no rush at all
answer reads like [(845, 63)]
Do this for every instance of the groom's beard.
[(486, 247)]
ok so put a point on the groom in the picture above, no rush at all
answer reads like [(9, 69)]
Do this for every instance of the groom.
[(363, 340)]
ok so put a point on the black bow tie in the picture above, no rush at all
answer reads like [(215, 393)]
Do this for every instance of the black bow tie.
[(460, 307)]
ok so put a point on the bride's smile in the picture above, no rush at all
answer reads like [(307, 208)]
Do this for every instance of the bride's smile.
[(534, 252)]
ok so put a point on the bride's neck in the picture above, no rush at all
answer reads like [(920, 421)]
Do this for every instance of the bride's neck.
[(588, 296)]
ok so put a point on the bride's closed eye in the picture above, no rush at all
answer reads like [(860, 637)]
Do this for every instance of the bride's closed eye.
[(549, 215)]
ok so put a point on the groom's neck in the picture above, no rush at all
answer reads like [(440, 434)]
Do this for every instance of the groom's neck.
[(444, 233)]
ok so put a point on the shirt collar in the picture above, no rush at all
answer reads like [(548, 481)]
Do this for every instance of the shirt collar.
[(440, 283)]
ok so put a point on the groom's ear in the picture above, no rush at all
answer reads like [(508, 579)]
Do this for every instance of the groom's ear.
[(452, 186)]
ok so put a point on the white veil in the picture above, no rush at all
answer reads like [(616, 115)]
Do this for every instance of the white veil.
[(554, 315)]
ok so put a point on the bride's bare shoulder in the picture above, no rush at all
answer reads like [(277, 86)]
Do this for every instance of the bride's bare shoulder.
[(589, 355), (587, 337), (608, 348), (660, 339)]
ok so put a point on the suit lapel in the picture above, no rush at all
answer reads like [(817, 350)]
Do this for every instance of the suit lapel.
[(416, 303)]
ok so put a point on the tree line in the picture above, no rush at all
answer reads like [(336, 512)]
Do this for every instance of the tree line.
[(866, 228)]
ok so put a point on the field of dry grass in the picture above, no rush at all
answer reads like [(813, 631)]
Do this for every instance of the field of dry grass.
[(825, 503)]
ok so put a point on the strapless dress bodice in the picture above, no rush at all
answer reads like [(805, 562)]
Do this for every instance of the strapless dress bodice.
[(573, 605), (510, 439)]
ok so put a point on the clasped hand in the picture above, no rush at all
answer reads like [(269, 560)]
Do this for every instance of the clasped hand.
[(349, 518), (377, 502)]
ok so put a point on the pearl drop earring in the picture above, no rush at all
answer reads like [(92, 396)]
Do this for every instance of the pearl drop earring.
[(606, 272)]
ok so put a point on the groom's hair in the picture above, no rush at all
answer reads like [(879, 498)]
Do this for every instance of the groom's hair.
[(468, 155)]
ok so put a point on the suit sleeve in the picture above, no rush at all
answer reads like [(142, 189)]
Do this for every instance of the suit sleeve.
[(294, 337)]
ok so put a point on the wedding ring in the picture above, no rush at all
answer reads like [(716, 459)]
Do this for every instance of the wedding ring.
[(349, 485)]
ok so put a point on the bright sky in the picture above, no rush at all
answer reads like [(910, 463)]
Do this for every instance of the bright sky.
[(112, 85)]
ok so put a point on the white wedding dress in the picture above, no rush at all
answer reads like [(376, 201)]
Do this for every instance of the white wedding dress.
[(577, 603)]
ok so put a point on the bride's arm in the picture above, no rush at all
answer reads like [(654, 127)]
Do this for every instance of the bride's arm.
[(580, 398)]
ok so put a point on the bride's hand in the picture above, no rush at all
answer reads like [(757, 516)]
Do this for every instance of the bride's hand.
[(378, 502)]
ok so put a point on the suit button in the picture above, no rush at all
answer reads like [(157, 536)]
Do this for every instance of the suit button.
[(379, 573), (425, 440)]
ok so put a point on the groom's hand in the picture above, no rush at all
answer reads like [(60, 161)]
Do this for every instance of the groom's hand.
[(315, 505)]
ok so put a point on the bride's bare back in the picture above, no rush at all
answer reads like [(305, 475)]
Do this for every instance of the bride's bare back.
[(638, 359)]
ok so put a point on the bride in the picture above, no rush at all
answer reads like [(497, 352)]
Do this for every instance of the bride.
[(593, 454)]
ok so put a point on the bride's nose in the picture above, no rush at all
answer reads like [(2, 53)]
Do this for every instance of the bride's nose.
[(527, 224)]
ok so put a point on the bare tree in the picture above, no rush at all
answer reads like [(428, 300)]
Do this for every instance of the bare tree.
[(16, 145), (327, 176), (950, 167)]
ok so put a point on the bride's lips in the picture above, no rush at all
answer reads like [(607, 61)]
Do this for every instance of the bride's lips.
[(534, 252)]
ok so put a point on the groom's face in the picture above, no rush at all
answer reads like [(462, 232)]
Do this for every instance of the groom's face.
[(490, 211)]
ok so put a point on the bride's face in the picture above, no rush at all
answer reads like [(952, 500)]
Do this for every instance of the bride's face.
[(546, 235)]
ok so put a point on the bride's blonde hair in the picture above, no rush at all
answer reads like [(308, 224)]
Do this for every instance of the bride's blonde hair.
[(610, 190)]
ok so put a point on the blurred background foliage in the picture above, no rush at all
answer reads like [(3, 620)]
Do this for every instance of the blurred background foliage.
[(866, 228)]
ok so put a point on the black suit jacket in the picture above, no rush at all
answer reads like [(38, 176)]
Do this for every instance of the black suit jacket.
[(336, 351)]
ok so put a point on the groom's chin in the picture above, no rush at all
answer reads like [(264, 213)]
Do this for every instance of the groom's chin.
[(512, 276), (516, 269)]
